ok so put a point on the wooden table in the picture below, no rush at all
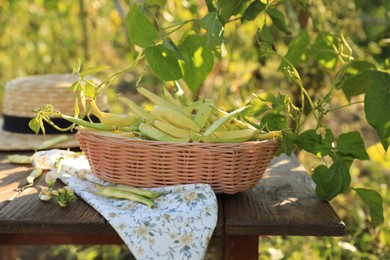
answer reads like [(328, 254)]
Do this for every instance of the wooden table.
[(283, 203)]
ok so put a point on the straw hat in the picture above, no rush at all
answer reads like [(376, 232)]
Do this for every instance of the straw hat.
[(22, 95)]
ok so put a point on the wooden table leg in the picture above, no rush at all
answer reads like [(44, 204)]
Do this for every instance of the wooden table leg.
[(241, 247), (7, 252)]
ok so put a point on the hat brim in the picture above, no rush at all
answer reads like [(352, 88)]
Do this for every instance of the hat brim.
[(10, 141)]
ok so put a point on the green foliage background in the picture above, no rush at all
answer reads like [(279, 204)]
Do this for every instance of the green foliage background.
[(49, 36)]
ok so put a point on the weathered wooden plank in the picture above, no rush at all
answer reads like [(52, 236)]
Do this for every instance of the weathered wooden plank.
[(283, 203), (12, 178), (23, 213)]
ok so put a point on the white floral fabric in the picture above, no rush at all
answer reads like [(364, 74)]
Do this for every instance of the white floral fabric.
[(178, 226)]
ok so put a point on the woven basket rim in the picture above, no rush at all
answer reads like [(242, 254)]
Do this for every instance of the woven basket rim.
[(84, 130)]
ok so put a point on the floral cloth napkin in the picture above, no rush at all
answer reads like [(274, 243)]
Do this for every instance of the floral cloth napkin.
[(179, 226)]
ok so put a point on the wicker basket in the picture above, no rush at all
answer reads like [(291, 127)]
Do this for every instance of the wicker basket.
[(228, 167)]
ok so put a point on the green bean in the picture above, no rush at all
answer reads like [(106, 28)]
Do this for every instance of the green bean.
[(19, 159), (81, 122), (111, 192), (222, 120), (53, 141), (142, 192), (33, 175)]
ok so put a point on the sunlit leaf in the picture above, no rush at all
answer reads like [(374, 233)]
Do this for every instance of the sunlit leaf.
[(355, 79), (323, 52), (35, 124), (331, 181), (296, 49), (253, 10), (160, 3), (377, 105), (274, 121), (351, 144), (199, 62), (374, 201), (315, 143), (76, 86), (278, 102), (141, 31), (229, 8), (163, 62), (93, 70), (257, 107), (214, 29), (278, 19)]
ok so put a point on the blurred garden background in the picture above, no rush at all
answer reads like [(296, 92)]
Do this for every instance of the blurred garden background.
[(52, 36)]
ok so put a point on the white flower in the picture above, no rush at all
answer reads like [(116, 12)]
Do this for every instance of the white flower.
[(51, 177)]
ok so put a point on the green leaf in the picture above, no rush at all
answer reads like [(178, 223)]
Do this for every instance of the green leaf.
[(278, 102), (210, 6), (140, 30), (76, 86), (265, 35), (93, 70), (256, 107), (90, 89), (323, 52), (278, 19), (286, 143), (167, 42), (252, 11), (163, 62), (160, 3), (352, 145), (274, 121), (214, 29), (296, 49), (377, 105), (355, 79), (374, 201), (314, 143), (229, 8), (331, 181), (35, 124), (199, 63)]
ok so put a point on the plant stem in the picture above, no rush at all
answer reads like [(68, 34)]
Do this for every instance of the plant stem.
[(108, 81), (177, 27), (341, 107)]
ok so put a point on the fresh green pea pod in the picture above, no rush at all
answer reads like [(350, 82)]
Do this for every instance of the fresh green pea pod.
[(19, 159), (112, 119), (33, 175), (157, 100), (172, 130), (170, 98), (140, 112), (53, 141), (267, 136), (81, 122), (156, 134), (203, 114), (176, 118), (142, 192), (222, 120), (121, 194)]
